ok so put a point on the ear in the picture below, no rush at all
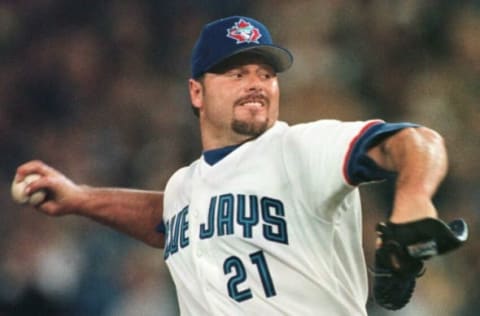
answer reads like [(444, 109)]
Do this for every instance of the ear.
[(196, 93)]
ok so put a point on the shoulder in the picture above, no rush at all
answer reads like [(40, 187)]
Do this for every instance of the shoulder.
[(180, 177), (302, 129), (330, 130)]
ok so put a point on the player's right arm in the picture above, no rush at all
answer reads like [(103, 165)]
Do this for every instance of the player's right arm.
[(133, 212)]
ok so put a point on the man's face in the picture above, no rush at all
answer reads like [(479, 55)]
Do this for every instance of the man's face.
[(239, 99)]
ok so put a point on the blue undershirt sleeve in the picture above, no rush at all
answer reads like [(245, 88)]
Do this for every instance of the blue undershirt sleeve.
[(160, 228), (360, 167)]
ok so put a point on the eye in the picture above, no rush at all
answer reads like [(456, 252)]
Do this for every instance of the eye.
[(234, 73), (238, 74), (266, 75)]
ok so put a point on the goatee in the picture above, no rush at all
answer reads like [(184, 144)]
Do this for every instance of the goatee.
[(253, 129)]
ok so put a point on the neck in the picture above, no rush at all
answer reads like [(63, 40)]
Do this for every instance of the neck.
[(219, 136), (210, 142)]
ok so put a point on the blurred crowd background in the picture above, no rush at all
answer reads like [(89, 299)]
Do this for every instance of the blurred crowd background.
[(98, 89)]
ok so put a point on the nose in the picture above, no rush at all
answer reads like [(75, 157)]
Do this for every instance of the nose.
[(254, 82)]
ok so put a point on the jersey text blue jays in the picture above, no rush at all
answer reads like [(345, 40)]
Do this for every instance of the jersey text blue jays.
[(230, 214)]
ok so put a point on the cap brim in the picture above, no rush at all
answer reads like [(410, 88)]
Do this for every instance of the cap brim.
[(280, 58)]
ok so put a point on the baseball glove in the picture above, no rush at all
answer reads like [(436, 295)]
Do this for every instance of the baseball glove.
[(399, 260)]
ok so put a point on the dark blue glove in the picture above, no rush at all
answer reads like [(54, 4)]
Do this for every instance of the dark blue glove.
[(403, 248)]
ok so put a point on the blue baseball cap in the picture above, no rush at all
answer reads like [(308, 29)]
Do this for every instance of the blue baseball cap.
[(229, 36)]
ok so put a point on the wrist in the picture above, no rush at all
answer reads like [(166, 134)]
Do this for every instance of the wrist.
[(412, 207), (82, 197)]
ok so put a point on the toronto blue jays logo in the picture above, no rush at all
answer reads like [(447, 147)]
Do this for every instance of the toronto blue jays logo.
[(244, 32)]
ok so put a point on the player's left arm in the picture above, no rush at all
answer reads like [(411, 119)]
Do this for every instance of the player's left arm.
[(413, 233), (419, 158)]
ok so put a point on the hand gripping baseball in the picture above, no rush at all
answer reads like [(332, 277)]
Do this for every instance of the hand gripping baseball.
[(403, 248), (60, 195)]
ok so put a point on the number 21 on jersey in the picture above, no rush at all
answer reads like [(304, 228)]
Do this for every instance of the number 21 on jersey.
[(234, 265)]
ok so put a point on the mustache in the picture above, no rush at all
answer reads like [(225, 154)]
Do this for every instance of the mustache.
[(253, 97)]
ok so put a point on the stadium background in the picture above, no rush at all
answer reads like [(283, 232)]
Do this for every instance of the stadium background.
[(98, 89)]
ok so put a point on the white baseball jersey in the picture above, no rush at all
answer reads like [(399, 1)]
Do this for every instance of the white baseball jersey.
[(274, 227)]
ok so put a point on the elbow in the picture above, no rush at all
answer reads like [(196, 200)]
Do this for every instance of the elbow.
[(420, 137), (414, 144), (431, 136), (429, 144), (433, 142)]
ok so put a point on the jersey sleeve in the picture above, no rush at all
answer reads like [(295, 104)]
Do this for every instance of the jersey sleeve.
[(358, 167), (326, 159), (315, 155)]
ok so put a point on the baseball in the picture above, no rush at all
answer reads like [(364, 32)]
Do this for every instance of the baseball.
[(19, 195)]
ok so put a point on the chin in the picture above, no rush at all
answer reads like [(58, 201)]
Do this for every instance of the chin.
[(250, 128)]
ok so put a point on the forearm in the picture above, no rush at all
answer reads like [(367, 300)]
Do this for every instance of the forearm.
[(133, 212), (419, 158)]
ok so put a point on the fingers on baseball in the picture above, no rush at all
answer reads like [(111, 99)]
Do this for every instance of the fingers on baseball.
[(34, 166), (21, 194), (36, 181), (45, 201)]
